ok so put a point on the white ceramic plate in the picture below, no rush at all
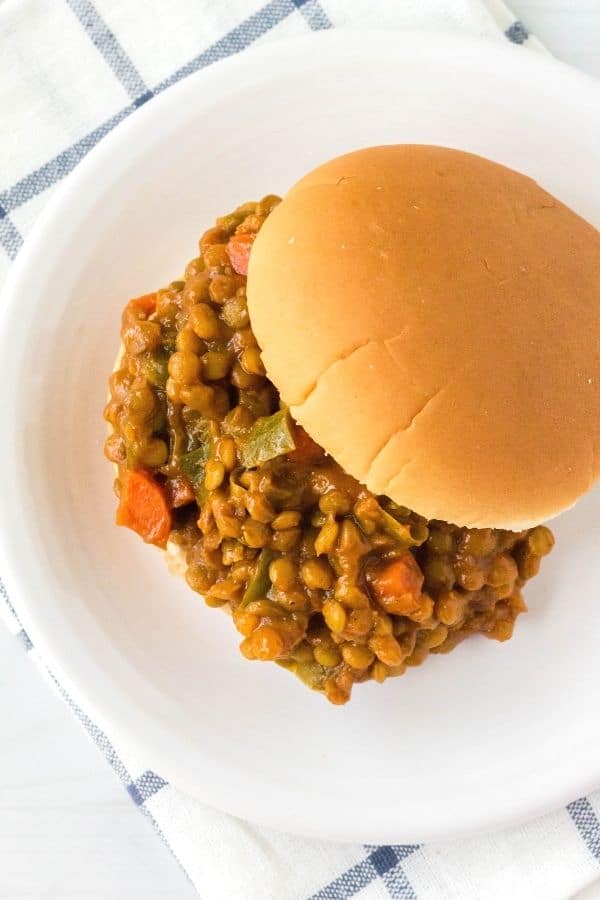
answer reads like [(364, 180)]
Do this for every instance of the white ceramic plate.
[(486, 736)]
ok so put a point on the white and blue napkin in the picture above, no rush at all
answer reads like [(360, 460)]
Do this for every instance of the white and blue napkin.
[(70, 71)]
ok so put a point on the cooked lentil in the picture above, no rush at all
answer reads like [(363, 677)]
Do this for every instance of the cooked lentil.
[(321, 576)]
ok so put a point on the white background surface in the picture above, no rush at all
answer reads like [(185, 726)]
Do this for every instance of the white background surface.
[(67, 828)]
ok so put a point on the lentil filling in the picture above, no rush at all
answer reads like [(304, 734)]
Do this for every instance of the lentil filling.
[(334, 583)]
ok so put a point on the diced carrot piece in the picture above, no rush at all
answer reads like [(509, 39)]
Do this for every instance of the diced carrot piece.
[(307, 450), (239, 247), (143, 507), (145, 304), (398, 585)]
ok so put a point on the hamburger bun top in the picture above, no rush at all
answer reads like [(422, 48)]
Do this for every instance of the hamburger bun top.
[(433, 321)]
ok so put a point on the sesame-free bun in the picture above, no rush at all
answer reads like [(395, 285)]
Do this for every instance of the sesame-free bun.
[(433, 321)]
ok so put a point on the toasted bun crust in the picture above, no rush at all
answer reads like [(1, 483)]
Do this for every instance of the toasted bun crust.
[(433, 321)]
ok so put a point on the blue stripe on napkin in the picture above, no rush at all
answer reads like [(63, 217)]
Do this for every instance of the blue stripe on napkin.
[(107, 44), (314, 14), (587, 824), (10, 238), (383, 862), (517, 33)]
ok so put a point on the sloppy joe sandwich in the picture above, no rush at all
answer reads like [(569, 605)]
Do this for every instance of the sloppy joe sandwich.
[(348, 420)]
